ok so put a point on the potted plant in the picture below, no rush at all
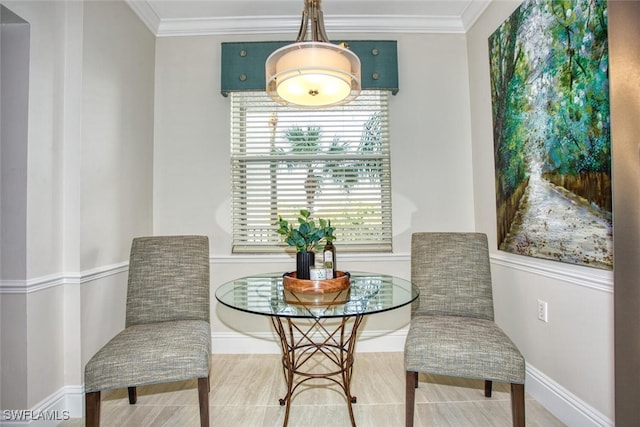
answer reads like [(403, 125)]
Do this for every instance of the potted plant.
[(305, 238)]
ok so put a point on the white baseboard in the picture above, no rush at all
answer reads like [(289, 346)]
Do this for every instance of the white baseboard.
[(266, 342), (563, 404), (74, 400), (239, 343), (67, 402)]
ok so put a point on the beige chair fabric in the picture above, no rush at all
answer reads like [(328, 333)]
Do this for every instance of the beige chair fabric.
[(452, 329), (167, 335)]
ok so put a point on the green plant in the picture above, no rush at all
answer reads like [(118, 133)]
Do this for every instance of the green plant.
[(307, 236)]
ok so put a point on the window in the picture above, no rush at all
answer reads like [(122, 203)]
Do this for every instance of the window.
[(333, 162)]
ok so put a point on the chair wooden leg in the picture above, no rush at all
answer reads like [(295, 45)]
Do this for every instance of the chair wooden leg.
[(487, 388), (92, 409), (133, 395), (410, 397), (203, 397), (416, 379), (517, 404)]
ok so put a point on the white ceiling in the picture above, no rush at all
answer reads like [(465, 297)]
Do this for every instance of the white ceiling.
[(199, 17)]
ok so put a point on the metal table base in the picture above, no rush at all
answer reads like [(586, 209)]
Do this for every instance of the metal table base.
[(305, 340)]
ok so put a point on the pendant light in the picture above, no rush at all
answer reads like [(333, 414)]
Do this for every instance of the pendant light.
[(313, 73)]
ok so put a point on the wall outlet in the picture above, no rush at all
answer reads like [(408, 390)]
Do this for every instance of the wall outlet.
[(543, 311)]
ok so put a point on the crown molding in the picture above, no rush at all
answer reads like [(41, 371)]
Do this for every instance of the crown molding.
[(473, 12), (146, 13), (290, 24), (242, 25)]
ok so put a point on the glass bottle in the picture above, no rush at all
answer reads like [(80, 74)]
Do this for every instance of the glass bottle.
[(329, 254)]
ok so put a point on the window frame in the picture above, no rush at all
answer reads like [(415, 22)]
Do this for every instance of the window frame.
[(360, 170)]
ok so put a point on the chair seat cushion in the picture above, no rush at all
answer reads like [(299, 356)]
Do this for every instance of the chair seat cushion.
[(462, 347), (150, 354)]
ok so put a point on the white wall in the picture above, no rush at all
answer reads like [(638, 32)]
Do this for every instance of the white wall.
[(26, 327), (88, 193), (116, 159), (14, 107), (570, 358), (117, 132), (431, 160)]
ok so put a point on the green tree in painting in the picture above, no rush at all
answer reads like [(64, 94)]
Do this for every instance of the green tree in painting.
[(549, 90), (508, 75), (578, 131)]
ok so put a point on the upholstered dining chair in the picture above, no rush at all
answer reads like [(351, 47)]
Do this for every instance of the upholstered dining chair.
[(167, 336), (452, 330)]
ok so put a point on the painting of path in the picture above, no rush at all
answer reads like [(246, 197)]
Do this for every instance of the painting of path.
[(551, 129)]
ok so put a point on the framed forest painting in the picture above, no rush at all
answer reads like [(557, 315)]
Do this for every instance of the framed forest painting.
[(552, 148)]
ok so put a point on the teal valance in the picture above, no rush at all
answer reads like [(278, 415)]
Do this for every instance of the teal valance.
[(243, 64)]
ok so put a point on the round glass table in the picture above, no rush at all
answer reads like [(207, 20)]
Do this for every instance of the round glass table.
[(319, 326)]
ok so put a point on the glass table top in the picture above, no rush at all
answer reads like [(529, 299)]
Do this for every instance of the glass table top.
[(369, 293)]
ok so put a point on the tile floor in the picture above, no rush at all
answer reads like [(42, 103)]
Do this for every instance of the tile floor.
[(245, 390)]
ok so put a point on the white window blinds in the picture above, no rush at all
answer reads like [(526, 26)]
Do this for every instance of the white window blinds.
[(333, 162)]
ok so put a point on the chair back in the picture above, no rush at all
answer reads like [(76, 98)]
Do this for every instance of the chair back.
[(453, 273), (168, 279)]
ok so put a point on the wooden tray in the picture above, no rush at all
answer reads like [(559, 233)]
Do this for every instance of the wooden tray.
[(326, 299), (324, 286)]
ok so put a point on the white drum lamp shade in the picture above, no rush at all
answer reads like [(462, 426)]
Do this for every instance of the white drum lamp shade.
[(313, 74)]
